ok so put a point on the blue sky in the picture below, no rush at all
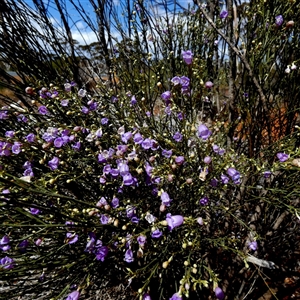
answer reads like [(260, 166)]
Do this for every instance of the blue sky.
[(80, 31)]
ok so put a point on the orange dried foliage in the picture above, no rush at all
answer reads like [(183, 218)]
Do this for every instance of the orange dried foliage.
[(272, 131)]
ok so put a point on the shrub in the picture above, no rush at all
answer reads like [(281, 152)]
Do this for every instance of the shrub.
[(148, 178)]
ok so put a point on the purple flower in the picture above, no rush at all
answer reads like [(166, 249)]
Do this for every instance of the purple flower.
[(64, 103), (47, 137), (43, 110), (10, 133), (102, 180), (141, 240), (146, 144), (82, 93), (156, 234), (101, 158), (130, 210), (115, 202), (53, 163), (224, 179), (221, 152), (7, 263), (209, 84), (154, 145), (38, 242), (179, 160), (224, 14), (146, 297), (214, 182), (22, 118), (207, 160), (67, 87), (30, 138), (177, 137), (168, 110), (253, 245), (114, 99), (180, 116), (128, 179), (176, 297), (187, 56), (133, 101), (216, 149), (167, 153), (185, 90), (129, 256), (114, 173), (3, 115), (72, 238), (282, 156), (4, 243), (122, 149), (200, 221), (58, 142), (73, 296), (174, 221), (104, 219), (166, 95), (123, 168), (126, 137), (135, 220), (23, 245), (90, 245), (175, 80), (28, 172), (84, 110), (184, 81), (138, 138), (16, 148), (101, 253), (165, 198), (104, 121), (107, 169), (102, 202), (204, 201), (279, 20), (219, 293), (76, 146), (233, 173), (93, 105), (34, 211), (267, 174), (203, 132)]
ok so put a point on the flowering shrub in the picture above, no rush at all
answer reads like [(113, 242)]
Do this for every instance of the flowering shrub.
[(98, 184)]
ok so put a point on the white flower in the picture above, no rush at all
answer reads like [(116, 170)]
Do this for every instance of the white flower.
[(150, 218)]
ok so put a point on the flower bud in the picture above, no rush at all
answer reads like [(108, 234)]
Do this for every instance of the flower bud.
[(29, 90), (189, 181), (164, 223), (165, 264), (162, 207), (290, 24)]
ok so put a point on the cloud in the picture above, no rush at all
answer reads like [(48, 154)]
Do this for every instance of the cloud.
[(84, 36)]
